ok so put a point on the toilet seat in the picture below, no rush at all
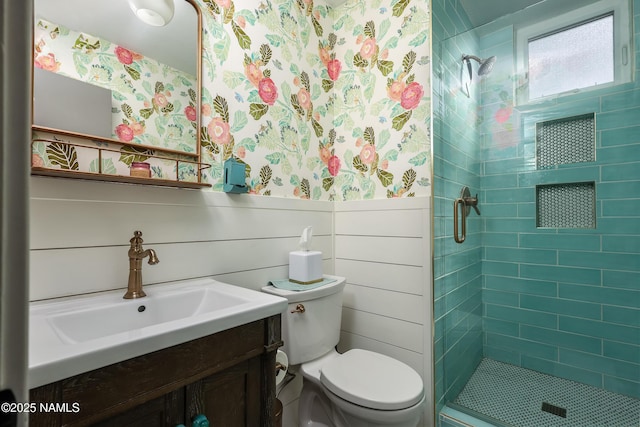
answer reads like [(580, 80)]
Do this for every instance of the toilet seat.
[(372, 380)]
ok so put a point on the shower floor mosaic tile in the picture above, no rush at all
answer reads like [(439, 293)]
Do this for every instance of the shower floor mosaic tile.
[(516, 396)]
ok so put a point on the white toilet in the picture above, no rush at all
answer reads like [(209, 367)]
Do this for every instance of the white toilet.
[(358, 388)]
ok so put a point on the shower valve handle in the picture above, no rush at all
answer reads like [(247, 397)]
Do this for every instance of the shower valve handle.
[(473, 202)]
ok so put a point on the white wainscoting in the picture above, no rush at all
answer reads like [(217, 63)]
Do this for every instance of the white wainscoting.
[(80, 233), (383, 248)]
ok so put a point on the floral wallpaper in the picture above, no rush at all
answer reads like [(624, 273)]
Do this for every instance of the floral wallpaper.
[(153, 103), (319, 103)]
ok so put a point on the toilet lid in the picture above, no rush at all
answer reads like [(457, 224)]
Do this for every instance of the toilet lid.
[(372, 380)]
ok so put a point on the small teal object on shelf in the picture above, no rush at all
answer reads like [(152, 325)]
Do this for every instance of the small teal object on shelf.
[(200, 421), (234, 177)]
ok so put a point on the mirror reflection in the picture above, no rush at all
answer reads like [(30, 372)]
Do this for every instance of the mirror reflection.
[(100, 70)]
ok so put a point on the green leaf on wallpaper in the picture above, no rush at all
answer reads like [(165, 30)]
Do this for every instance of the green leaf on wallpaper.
[(167, 108), (221, 47), (359, 61), (275, 158), (239, 121), (135, 74), (248, 143), (408, 61), (391, 155), (146, 112), (408, 178), (317, 193), (221, 107), (327, 183), (391, 44), (127, 110), (296, 105), (316, 26), (265, 175), (233, 79), (62, 155), (419, 160), (306, 189), (383, 138), (79, 62), (369, 135), (357, 163), (265, 53), (385, 67), (385, 177), (243, 39), (107, 167), (274, 40), (304, 80), (370, 29), (327, 85), (390, 194), (159, 87), (313, 163), (400, 6), (212, 6), (228, 13), (129, 154), (420, 39), (383, 27), (423, 182), (294, 180), (401, 120), (227, 151), (317, 128)]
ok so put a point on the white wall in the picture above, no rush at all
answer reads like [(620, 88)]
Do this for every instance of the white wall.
[(80, 233), (383, 248)]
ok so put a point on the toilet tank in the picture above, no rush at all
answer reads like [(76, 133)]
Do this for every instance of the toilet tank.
[(316, 331)]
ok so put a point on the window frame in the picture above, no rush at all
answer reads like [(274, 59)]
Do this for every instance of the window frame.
[(623, 60)]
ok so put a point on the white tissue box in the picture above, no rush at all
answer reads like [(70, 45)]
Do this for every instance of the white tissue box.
[(305, 267)]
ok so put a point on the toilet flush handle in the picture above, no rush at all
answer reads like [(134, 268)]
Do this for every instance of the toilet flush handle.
[(299, 309)]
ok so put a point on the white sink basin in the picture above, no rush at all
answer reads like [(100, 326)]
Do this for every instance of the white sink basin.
[(77, 334)]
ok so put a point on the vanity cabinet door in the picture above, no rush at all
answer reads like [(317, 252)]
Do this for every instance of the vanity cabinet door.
[(230, 398), (167, 410)]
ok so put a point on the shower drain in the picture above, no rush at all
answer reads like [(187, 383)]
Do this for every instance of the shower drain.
[(555, 410)]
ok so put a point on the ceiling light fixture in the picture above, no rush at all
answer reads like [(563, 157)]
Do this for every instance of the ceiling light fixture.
[(153, 12)]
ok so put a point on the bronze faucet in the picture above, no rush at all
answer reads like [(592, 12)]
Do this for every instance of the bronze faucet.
[(136, 255)]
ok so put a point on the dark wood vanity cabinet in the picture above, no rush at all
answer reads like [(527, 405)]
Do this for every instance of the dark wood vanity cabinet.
[(228, 377)]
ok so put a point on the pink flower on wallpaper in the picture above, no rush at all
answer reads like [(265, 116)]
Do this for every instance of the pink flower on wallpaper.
[(124, 133), (503, 114), (268, 91), (36, 160), (333, 68), (241, 21), (324, 54), (219, 131), (325, 155), (137, 128), (334, 165), (47, 62), (241, 152), (125, 56), (223, 3), (253, 73), (395, 90), (368, 154), (304, 99), (190, 113), (160, 100), (368, 48), (411, 96), (205, 110), (384, 165)]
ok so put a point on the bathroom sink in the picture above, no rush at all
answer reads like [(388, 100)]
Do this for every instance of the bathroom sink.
[(77, 334)]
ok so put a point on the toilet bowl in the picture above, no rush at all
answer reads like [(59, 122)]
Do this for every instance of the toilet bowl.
[(359, 388)]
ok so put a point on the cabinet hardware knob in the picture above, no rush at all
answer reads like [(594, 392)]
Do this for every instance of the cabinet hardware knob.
[(299, 309)]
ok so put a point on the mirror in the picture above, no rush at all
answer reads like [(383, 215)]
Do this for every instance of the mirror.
[(99, 71)]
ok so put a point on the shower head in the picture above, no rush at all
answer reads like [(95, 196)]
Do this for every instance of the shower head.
[(486, 65)]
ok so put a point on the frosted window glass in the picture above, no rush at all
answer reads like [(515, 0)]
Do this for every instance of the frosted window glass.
[(575, 58)]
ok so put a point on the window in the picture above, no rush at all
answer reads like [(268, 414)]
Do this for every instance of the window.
[(581, 50)]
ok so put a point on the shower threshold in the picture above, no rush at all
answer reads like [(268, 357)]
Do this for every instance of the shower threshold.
[(522, 397)]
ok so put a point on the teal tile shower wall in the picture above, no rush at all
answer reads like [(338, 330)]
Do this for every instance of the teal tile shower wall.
[(456, 153), (562, 301)]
